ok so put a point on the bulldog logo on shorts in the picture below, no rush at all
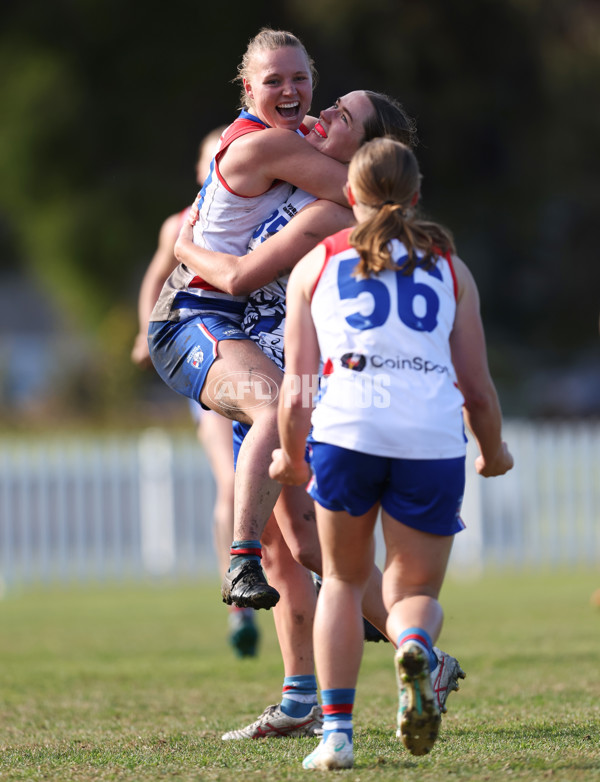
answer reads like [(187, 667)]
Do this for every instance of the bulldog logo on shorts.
[(196, 357), (355, 361)]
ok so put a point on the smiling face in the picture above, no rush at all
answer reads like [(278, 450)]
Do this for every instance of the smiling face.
[(340, 129), (279, 87)]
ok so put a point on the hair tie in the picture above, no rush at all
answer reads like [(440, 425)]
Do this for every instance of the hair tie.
[(389, 202)]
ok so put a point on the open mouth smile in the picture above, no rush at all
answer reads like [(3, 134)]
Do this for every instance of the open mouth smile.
[(288, 110), (320, 130)]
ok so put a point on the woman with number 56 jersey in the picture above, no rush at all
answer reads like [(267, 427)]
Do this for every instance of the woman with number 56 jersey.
[(394, 315)]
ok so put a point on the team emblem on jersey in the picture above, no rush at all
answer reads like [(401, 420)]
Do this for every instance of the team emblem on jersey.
[(355, 361), (196, 357)]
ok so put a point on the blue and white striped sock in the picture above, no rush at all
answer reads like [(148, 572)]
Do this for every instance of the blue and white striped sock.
[(337, 711), (299, 695), (244, 549), (419, 636)]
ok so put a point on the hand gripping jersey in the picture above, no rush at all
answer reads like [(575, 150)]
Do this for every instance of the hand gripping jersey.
[(226, 223), (264, 317), (389, 387)]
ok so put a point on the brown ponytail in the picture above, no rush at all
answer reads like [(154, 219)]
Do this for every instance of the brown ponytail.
[(384, 175)]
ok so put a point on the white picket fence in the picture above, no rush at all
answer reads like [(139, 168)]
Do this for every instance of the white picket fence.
[(119, 507), (543, 513), (104, 508)]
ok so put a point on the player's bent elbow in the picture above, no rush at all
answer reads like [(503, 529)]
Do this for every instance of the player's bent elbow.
[(234, 284)]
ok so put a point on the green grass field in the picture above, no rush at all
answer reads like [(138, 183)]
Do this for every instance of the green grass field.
[(138, 683)]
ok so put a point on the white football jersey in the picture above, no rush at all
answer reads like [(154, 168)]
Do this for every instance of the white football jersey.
[(264, 317), (389, 387), (226, 223)]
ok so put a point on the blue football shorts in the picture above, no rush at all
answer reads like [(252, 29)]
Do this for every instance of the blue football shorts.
[(184, 351), (239, 432), (425, 494)]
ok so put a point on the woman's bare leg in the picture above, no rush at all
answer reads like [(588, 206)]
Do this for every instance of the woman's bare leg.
[(243, 384), (414, 572), (295, 513), (214, 432), (298, 713), (348, 550), (295, 611)]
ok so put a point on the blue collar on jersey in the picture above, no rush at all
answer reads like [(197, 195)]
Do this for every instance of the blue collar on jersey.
[(246, 115)]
